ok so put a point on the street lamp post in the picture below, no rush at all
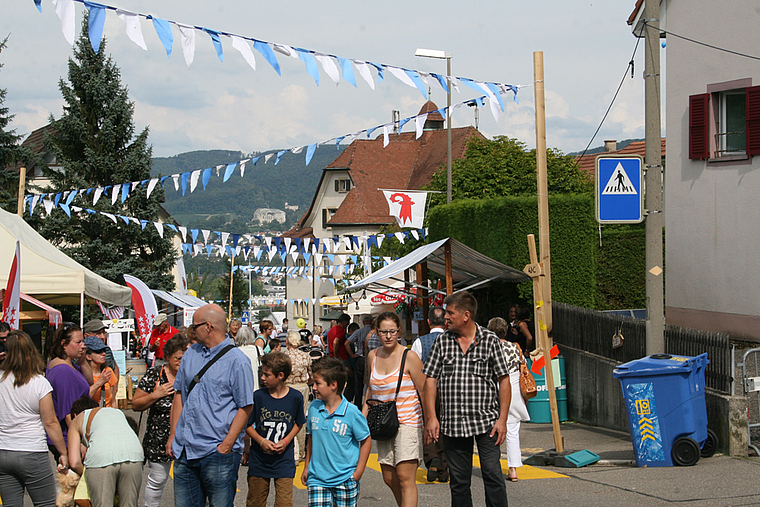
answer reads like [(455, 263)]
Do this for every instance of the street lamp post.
[(437, 53)]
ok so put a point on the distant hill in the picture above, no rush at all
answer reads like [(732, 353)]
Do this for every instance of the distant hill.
[(263, 186), (620, 145)]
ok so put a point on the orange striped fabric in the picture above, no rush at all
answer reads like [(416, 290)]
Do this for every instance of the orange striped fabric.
[(408, 404)]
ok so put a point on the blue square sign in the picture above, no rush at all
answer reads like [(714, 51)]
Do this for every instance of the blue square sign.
[(619, 189)]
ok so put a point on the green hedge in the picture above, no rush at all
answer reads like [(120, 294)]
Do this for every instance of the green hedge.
[(621, 269), (499, 228)]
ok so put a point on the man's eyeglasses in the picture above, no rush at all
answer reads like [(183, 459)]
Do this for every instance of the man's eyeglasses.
[(389, 332), (196, 326)]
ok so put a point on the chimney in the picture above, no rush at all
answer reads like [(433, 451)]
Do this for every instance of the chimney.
[(610, 145), (396, 119)]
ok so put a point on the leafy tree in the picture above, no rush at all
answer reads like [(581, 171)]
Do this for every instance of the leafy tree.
[(504, 167), (11, 152), (95, 144)]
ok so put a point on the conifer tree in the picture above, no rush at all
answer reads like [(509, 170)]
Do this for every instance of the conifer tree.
[(94, 143), (11, 152)]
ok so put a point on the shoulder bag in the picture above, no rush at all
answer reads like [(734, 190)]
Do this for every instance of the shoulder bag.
[(527, 382), (197, 377), (382, 417)]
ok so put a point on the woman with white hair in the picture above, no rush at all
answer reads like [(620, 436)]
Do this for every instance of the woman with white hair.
[(299, 378), (245, 340)]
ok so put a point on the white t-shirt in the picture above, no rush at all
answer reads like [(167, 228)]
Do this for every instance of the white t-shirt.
[(21, 427)]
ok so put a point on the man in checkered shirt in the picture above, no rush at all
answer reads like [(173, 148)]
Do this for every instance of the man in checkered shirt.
[(469, 368)]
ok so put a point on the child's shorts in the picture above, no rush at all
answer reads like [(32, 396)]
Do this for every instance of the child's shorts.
[(342, 495), (405, 446)]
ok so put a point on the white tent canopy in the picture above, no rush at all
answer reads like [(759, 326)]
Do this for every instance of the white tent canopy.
[(179, 300), (47, 273), (469, 269)]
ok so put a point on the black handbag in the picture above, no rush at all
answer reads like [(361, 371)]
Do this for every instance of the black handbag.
[(382, 417)]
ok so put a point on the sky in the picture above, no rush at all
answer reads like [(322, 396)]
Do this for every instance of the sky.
[(586, 47)]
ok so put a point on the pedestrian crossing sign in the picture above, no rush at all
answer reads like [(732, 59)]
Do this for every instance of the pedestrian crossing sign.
[(619, 189)]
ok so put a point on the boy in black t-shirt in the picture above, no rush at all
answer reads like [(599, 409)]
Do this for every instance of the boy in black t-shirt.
[(276, 419)]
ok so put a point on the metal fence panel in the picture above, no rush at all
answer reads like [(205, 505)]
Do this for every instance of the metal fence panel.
[(592, 331)]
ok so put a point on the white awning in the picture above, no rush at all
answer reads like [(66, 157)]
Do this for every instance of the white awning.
[(179, 300), (470, 268)]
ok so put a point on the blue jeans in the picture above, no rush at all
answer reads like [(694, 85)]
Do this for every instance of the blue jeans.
[(213, 477), (30, 471)]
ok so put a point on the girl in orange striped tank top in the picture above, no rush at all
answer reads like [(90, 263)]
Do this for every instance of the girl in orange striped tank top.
[(400, 456)]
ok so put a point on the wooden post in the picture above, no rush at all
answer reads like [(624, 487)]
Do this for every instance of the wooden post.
[(535, 270), (232, 280), (21, 191), (422, 297), (407, 288), (447, 258), (543, 187)]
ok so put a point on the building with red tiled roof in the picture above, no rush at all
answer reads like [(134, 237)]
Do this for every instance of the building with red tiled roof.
[(349, 200), (587, 163)]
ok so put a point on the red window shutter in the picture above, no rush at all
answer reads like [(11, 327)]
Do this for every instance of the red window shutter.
[(699, 128), (753, 120)]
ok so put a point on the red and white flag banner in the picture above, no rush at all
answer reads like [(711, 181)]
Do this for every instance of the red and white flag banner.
[(408, 208), (144, 304), (12, 297)]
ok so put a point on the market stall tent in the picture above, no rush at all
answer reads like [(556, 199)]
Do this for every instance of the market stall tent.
[(50, 275)]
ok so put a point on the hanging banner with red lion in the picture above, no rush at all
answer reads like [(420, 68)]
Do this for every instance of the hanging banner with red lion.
[(408, 208)]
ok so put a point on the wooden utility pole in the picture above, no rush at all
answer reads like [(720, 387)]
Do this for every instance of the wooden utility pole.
[(232, 280), (543, 186), (536, 271), (21, 191), (422, 297), (447, 260), (655, 324)]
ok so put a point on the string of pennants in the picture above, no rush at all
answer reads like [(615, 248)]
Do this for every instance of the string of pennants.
[(334, 66), (190, 179), (197, 241)]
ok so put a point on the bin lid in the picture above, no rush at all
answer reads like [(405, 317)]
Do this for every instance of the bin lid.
[(660, 364)]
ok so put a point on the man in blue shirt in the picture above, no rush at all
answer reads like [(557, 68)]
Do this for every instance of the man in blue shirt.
[(207, 423)]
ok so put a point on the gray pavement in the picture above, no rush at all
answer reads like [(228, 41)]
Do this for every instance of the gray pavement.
[(713, 482)]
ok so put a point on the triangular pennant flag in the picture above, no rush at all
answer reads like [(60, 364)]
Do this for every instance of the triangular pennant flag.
[(310, 152), (206, 234), (183, 233), (96, 195), (114, 193), (164, 31), (329, 67), (400, 236), (245, 50), (268, 54), (217, 42), (95, 22), (347, 69), (132, 29), (188, 42), (279, 154), (175, 179), (65, 11), (151, 185), (228, 171), (379, 238), (159, 228), (364, 72), (311, 64), (242, 167), (185, 181)]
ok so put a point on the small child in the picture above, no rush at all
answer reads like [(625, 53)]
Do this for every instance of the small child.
[(276, 419), (275, 345), (339, 442)]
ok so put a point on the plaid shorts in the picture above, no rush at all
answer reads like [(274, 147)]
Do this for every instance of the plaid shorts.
[(342, 495)]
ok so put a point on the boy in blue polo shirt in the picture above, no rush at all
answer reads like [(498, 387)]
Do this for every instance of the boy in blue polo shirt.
[(337, 451)]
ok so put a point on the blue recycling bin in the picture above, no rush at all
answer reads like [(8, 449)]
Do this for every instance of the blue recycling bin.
[(667, 414)]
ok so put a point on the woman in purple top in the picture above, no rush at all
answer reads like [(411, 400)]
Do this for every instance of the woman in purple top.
[(68, 372)]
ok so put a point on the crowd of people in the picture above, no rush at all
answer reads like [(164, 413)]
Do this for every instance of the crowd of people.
[(218, 395)]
